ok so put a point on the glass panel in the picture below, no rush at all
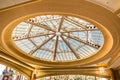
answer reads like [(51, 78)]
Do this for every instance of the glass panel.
[(57, 37)]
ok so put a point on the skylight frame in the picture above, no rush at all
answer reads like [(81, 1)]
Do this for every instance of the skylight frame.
[(82, 25)]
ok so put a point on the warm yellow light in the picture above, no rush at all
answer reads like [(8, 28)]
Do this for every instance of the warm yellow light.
[(102, 70), (35, 71)]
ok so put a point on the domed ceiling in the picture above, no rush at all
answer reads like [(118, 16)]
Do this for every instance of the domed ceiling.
[(57, 38)]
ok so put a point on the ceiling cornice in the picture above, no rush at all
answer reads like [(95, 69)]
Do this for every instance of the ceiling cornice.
[(18, 5)]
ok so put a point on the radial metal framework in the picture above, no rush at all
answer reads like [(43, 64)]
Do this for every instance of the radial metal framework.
[(57, 37)]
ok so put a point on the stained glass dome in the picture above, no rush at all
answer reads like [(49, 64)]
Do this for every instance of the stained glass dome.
[(57, 38)]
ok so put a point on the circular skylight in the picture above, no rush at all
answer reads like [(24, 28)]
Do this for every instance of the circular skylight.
[(57, 38)]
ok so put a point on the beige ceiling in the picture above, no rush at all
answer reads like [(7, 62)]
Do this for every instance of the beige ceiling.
[(112, 5), (8, 3)]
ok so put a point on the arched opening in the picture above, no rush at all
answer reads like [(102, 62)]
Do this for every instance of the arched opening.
[(8, 73)]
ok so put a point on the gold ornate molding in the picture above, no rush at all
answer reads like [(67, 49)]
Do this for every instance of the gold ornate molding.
[(106, 21)]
